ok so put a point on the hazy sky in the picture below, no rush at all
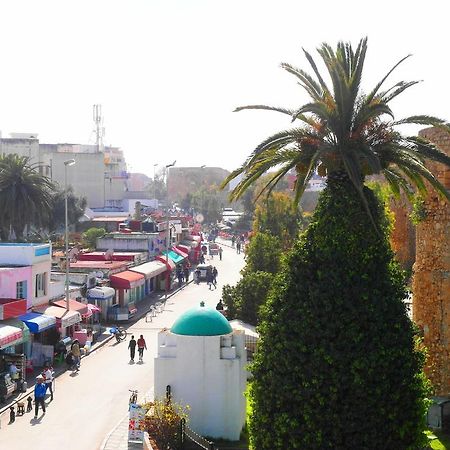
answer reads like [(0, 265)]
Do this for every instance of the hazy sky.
[(169, 73)]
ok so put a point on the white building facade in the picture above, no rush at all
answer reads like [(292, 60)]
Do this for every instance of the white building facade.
[(203, 361)]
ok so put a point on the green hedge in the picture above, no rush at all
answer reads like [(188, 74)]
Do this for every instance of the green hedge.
[(336, 366)]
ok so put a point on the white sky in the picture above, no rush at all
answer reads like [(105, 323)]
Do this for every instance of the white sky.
[(169, 73)]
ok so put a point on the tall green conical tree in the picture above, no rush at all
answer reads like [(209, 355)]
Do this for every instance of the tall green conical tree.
[(336, 367), (25, 195)]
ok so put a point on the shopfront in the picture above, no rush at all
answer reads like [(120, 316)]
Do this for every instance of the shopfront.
[(103, 297), (151, 271), (167, 279), (129, 286)]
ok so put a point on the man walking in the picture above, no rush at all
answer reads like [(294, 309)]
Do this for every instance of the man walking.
[(76, 353), (39, 395), (238, 246), (48, 375), (141, 346), (220, 253), (214, 276), (132, 347)]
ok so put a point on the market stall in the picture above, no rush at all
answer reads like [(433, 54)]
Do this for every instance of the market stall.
[(103, 297)]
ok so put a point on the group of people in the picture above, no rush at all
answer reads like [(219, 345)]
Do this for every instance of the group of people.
[(141, 345), (211, 277), (239, 241), (182, 274)]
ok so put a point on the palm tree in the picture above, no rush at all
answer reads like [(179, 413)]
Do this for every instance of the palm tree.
[(337, 366), (343, 130), (25, 195)]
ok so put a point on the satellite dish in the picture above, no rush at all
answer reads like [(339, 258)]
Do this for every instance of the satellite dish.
[(109, 254)]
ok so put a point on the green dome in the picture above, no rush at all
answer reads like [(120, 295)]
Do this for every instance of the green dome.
[(201, 321)]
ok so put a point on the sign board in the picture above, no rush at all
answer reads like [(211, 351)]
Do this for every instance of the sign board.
[(137, 414)]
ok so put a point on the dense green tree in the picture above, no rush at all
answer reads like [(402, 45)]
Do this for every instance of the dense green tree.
[(25, 196), (336, 367), (244, 300), (263, 253), (278, 215), (90, 236), (75, 209)]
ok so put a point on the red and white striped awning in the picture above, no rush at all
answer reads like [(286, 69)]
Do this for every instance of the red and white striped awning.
[(9, 335)]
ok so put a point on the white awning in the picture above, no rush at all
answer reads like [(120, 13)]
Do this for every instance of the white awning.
[(9, 335), (101, 293), (150, 269)]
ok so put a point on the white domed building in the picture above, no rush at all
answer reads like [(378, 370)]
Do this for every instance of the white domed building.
[(203, 361)]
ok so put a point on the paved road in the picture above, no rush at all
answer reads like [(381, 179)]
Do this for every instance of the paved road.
[(89, 404)]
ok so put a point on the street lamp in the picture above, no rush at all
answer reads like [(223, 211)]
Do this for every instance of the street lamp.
[(167, 227), (69, 162)]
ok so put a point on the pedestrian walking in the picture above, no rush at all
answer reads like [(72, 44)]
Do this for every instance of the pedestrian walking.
[(141, 346), (186, 274), (76, 352), (233, 240), (220, 253), (197, 276), (238, 247), (214, 276), (39, 395), (48, 378), (132, 347)]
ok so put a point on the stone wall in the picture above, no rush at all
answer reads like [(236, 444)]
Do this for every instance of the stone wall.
[(403, 235), (431, 283)]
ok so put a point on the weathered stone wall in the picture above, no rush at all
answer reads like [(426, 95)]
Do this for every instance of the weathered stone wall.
[(403, 235), (431, 284)]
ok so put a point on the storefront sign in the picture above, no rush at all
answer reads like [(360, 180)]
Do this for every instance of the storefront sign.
[(137, 414)]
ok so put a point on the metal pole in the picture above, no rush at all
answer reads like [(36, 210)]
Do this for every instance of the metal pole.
[(69, 162), (67, 236), (167, 229)]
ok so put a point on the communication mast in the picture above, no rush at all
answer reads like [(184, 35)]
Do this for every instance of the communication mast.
[(99, 129)]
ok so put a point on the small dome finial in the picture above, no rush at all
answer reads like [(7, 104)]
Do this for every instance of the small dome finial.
[(202, 304)]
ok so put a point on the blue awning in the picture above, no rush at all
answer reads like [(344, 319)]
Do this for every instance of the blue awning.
[(38, 322)]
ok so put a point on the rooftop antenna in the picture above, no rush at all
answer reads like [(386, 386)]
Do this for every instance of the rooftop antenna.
[(99, 129)]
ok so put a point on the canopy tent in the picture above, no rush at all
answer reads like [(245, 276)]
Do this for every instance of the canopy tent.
[(38, 322), (181, 252), (168, 262), (101, 293), (9, 335), (126, 280), (65, 318), (175, 257), (75, 306), (150, 269)]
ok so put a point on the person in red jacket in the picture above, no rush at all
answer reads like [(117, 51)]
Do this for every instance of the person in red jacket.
[(141, 346)]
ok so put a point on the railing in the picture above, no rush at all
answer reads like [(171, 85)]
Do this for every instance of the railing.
[(199, 441)]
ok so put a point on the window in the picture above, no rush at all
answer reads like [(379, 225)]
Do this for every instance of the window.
[(40, 288), (21, 289)]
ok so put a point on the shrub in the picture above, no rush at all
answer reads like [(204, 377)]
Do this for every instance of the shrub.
[(336, 366), (163, 423)]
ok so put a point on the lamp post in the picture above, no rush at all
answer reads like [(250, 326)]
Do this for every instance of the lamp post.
[(69, 162), (167, 227)]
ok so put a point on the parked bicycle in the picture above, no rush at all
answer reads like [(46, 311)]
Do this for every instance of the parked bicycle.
[(133, 396), (119, 333)]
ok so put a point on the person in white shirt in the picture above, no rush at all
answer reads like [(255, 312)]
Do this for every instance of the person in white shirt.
[(48, 375)]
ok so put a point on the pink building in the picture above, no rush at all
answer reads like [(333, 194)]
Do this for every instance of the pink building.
[(25, 272)]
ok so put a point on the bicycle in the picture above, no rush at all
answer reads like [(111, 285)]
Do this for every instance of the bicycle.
[(133, 396), (119, 333)]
